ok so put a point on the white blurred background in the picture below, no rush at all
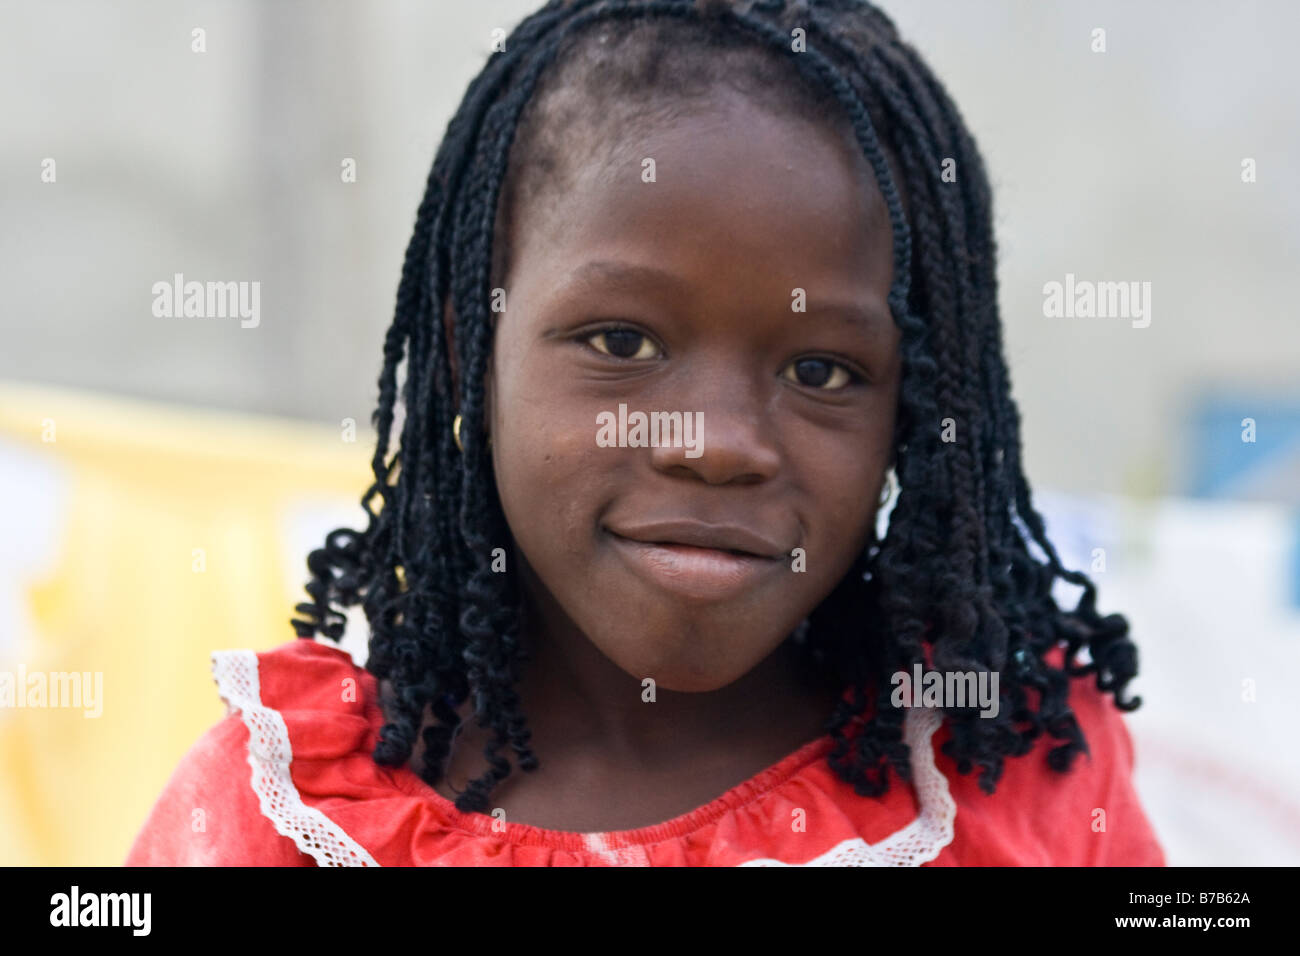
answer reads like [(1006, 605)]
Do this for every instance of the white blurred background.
[(1123, 165)]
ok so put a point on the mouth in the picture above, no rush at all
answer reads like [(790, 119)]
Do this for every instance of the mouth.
[(733, 539), (697, 562)]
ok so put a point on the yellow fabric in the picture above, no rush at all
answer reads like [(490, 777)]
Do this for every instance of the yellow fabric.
[(146, 485)]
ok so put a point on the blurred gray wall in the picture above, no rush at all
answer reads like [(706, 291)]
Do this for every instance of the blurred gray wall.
[(225, 165)]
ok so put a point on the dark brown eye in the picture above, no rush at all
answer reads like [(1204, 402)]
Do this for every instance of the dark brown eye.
[(623, 343), (818, 373)]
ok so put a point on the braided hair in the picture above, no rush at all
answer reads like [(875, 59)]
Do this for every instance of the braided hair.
[(965, 570)]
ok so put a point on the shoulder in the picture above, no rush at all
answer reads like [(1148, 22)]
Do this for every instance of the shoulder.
[(1118, 833), (208, 815), (302, 674), (230, 800), (1090, 815)]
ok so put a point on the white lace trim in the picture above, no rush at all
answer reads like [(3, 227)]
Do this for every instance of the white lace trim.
[(269, 755), (922, 839)]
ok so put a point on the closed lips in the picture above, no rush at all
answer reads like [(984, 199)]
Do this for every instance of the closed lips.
[(732, 539)]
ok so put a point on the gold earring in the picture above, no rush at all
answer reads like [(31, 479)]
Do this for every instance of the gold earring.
[(455, 433)]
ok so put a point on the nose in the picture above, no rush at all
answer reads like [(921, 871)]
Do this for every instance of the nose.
[(732, 433)]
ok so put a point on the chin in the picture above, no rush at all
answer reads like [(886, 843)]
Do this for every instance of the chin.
[(695, 666)]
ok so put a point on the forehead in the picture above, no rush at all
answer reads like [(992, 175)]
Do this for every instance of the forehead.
[(714, 192)]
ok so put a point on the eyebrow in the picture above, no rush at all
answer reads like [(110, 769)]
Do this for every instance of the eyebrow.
[(614, 271), (869, 318), (628, 273)]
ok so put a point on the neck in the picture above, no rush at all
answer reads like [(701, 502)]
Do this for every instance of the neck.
[(572, 693)]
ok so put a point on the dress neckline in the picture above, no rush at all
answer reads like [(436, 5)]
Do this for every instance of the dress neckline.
[(743, 793), (337, 735)]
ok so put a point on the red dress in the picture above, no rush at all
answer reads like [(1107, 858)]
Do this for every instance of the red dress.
[(286, 779)]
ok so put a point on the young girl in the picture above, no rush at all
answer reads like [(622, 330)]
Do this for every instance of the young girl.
[(692, 284)]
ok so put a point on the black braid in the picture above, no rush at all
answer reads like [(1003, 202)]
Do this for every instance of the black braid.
[(955, 571)]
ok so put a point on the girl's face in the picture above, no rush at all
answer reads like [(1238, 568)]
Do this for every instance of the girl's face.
[(744, 287)]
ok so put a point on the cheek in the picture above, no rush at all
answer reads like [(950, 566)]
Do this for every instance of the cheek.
[(841, 483), (549, 472), (848, 515)]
